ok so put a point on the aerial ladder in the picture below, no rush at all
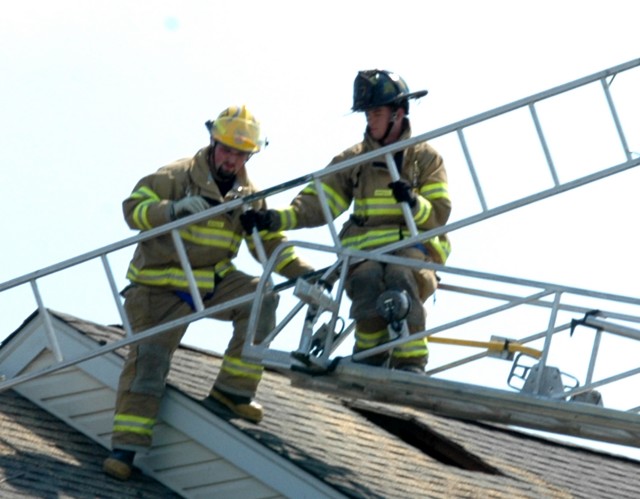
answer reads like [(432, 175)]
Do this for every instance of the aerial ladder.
[(534, 391)]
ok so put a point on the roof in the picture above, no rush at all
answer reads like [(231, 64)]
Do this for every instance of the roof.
[(40, 456), (357, 447)]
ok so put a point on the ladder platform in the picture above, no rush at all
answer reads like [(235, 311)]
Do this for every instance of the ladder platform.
[(472, 402)]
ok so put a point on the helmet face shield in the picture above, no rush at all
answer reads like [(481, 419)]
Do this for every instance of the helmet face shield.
[(237, 128), (376, 88)]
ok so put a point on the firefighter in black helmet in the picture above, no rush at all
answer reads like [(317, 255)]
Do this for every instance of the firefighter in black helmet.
[(377, 218), (377, 88)]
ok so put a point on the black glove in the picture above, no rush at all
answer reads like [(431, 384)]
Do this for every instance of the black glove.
[(262, 220), (402, 192)]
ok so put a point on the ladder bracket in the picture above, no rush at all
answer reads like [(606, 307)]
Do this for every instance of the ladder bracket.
[(314, 294), (545, 381), (583, 321)]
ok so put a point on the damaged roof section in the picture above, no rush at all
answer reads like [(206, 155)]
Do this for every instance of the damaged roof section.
[(358, 448)]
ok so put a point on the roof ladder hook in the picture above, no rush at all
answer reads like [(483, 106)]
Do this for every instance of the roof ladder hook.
[(584, 321)]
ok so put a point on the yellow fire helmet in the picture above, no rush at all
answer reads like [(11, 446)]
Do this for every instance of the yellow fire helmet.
[(237, 128)]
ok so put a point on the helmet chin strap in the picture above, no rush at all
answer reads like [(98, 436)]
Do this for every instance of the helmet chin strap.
[(392, 122)]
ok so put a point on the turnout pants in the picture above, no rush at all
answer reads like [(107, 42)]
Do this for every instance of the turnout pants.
[(143, 378), (366, 282)]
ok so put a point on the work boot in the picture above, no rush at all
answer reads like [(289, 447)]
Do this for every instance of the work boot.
[(377, 360), (119, 464), (240, 406), (410, 368)]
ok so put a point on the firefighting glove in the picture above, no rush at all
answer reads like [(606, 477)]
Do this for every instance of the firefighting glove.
[(188, 206), (402, 192), (268, 220)]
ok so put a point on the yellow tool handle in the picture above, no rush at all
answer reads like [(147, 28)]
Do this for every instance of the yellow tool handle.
[(495, 346)]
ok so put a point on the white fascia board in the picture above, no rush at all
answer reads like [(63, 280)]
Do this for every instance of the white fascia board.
[(224, 439)]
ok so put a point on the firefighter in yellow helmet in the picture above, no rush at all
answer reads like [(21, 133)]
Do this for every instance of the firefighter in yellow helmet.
[(377, 218), (159, 290)]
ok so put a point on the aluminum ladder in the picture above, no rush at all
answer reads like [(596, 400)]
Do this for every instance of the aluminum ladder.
[(537, 395)]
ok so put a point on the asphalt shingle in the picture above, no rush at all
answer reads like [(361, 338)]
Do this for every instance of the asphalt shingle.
[(41, 456)]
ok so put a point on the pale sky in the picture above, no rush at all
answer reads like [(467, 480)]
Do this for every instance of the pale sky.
[(95, 95)]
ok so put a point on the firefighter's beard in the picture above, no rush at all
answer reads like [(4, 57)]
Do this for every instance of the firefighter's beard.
[(227, 173)]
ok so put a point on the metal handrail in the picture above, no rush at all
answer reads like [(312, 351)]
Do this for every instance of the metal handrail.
[(279, 359)]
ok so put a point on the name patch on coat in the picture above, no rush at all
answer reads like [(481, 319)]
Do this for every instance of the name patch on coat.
[(216, 224), (382, 193)]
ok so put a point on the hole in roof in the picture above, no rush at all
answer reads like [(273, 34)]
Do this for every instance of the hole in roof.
[(420, 436)]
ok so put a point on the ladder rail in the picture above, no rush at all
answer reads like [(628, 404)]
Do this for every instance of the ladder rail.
[(592, 385), (324, 205), (188, 271), (406, 210), (390, 149), (616, 119), (548, 337), (126, 325), (472, 170), (541, 303), (544, 144), (593, 358), (51, 334)]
